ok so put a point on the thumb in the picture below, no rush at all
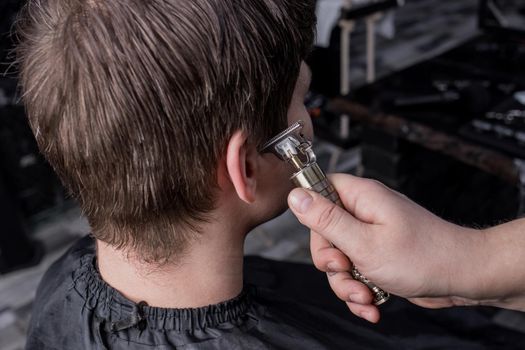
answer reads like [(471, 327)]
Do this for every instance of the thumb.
[(327, 219)]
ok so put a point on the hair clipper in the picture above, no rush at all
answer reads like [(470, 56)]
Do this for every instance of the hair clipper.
[(292, 147)]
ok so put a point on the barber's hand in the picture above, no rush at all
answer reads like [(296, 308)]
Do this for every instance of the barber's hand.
[(398, 245)]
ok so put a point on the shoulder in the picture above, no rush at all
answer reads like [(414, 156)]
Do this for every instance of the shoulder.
[(55, 299), (62, 270)]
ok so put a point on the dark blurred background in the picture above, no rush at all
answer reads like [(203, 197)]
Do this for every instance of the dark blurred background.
[(442, 121), (29, 190)]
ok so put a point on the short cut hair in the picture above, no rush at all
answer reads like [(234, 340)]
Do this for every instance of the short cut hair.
[(133, 102)]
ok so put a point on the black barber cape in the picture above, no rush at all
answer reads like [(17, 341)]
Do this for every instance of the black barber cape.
[(283, 306)]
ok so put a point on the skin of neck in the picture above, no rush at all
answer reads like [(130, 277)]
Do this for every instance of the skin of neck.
[(209, 272), (252, 189)]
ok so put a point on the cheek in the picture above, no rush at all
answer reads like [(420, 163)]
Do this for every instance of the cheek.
[(297, 111), (275, 186), (308, 129), (281, 174)]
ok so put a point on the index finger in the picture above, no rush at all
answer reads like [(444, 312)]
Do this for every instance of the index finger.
[(360, 196), (329, 220), (325, 257)]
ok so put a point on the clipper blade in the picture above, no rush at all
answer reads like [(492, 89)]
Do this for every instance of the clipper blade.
[(294, 130)]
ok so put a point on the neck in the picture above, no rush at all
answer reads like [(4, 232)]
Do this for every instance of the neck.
[(211, 271)]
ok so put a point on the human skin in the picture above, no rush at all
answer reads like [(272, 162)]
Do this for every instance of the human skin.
[(408, 251), (252, 189)]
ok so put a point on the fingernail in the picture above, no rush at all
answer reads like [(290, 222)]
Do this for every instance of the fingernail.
[(366, 315), (332, 267), (355, 298), (300, 200)]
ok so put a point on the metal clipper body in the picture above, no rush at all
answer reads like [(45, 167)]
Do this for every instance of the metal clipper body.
[(313, 178), (291, 146)]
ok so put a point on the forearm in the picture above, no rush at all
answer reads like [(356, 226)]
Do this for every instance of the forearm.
[(495, 271)]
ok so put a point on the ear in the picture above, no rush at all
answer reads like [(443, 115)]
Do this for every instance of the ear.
[(241, 164)]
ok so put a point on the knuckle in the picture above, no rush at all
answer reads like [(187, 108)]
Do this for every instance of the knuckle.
[(318, 264), (328, 219), (318, 260), (374, 185), (336, 286)]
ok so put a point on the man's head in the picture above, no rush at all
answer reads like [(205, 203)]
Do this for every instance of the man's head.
[(134, 102)]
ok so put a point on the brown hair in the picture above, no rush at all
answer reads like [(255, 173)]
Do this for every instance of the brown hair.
[(133, 101)]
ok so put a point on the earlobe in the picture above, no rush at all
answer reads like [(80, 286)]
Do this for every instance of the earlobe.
[(241, 164)]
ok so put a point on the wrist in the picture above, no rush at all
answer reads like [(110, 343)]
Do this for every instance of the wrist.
[(488, 269), (469, 251), (503, 275)]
